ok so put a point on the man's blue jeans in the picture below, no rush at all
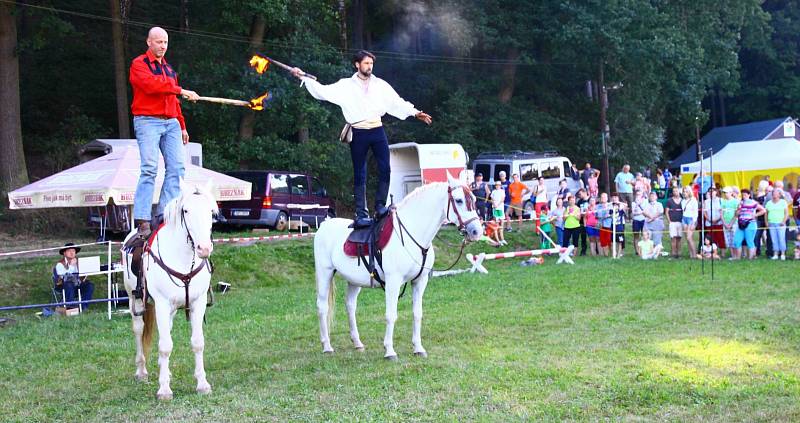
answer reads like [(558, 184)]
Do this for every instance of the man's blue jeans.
[(154, 135)]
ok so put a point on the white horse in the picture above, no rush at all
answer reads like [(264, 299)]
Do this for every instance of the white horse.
[(417, 219), (182, 246)]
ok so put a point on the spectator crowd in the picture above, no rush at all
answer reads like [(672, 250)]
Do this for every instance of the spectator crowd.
[(713, 223)]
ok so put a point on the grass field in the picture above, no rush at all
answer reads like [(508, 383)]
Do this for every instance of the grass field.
[(618, 340)]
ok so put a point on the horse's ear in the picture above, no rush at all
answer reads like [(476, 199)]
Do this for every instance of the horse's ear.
[(451, 180), (184, 186), (208, 186)]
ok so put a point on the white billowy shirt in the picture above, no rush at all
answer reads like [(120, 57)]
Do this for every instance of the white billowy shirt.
[(359, 104)]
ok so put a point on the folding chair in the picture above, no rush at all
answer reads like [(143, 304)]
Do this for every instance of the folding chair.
[(58, 288)]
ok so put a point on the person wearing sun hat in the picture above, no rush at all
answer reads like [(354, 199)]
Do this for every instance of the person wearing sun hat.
[(68, 278)]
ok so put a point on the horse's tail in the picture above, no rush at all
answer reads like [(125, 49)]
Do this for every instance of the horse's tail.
[(331, 302), (147, 334)]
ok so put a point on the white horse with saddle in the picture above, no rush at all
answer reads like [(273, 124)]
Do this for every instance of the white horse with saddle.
[(408, 257), (178, 274)]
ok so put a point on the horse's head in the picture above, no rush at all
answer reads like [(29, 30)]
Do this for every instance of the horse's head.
[(195, 210), (461, 208)]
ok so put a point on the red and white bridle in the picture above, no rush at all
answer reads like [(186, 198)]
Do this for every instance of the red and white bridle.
[(470, 203)]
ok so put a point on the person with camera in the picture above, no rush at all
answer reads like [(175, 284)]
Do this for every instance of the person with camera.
[(68, 277)]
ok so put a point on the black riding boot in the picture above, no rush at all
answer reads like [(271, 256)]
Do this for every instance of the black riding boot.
[(380, 200), (362, 213)]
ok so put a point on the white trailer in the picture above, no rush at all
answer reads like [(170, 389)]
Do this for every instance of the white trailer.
[(416, 164)]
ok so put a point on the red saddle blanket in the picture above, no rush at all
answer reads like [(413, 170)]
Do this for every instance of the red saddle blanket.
[(351, 248)]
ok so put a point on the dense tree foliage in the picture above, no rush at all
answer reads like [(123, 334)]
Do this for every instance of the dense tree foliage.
[(495, 75)]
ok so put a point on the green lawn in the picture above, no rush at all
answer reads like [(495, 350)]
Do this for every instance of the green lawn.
[(603, 339)]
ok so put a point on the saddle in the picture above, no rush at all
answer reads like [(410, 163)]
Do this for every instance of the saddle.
[(367, 244), (137, 248)]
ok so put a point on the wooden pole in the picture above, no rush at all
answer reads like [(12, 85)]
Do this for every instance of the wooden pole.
[(228, 101)]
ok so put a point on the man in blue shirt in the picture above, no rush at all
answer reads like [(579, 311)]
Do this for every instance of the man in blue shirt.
[(624, 182), (705, 181)]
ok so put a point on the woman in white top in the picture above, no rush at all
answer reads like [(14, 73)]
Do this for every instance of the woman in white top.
[(690, 211)]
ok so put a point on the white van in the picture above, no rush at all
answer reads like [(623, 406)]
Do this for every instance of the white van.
[(530, 166)]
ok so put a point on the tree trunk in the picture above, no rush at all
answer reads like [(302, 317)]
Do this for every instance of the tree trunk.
[(508, 75), (359, 7), (248, 119), (184, 23), (723, 118), (343, 24), (120, 75), (13, 172), (302, 131)]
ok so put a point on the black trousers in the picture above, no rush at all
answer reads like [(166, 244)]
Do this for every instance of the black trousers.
[(365, 140), (571, 235)]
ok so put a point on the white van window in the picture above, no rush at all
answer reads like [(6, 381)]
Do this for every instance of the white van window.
[(483, 169), (504, 168), (551, 170), (279, 184), (529, 172)]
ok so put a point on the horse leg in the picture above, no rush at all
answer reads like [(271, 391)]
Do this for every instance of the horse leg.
[(351, 303), (140, 360), (164, 315), (325, 297), (196, 314), (392, 291), (418, 290)]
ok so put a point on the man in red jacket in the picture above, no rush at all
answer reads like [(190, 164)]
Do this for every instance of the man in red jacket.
[(159, 126)]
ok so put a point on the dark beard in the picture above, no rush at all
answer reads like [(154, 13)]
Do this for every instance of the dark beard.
[(365, 75)]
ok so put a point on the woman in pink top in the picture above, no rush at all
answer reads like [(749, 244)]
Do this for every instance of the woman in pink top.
[(593, 191), (592, 231)]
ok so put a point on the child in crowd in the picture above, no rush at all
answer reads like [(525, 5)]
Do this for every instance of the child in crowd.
[(618, 214), (545, 226), (592, 230), (498, 197), (557, 217), (648, 250), (709, 250), (797, 246), (494, 234)]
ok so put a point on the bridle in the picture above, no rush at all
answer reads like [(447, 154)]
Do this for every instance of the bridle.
[(186, 278), (462, 225)]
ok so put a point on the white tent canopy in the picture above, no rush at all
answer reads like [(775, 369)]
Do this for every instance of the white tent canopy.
[(751, 155)]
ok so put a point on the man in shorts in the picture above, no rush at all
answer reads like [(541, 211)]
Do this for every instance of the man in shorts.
[(674, 217), (498, 198)]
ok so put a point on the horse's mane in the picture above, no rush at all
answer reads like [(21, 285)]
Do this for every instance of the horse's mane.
[(173, 208), (419, 191), (433, 185)]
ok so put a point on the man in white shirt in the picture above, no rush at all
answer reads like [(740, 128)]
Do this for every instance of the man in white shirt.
[(364, 99)]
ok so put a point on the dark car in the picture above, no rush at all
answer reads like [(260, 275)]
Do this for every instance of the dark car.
[(277, 198)]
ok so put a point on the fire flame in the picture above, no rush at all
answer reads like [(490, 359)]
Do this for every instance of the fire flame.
[(258, 102), (259, 63)]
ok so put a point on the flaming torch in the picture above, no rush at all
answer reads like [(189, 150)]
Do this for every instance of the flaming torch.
[(261, 64), (254, 104)]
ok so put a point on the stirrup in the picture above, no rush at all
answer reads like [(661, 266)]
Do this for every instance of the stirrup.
[(361, 222)]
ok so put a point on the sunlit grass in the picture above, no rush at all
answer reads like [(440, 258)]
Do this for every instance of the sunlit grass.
[(600, 340)]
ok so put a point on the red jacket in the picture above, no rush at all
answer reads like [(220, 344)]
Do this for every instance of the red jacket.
[(155, 88)]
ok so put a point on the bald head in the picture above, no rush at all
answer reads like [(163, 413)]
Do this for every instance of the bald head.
[(157, 41)]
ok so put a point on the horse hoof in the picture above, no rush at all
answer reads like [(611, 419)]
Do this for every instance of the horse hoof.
[(164, 397), (391, 358), (360, 349), (141, 378), (422, 354), (328, 352), (204, 390)]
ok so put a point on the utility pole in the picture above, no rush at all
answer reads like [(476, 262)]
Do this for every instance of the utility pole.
[(604, 128)]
